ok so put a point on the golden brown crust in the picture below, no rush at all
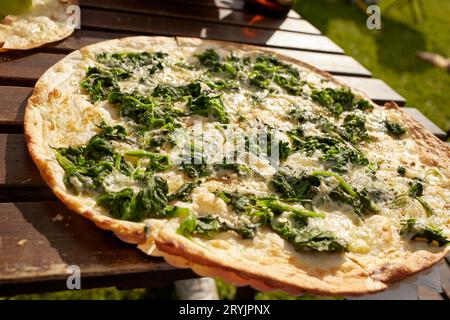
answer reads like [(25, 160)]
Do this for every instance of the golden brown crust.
[(243, 273), (352, 277)]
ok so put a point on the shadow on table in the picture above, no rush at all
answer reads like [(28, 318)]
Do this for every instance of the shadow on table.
[(396, 44)]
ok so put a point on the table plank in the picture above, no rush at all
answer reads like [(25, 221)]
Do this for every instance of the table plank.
[(40, 240), (332, 63), (376, 89), (145, 24), (204, 13), (16, 165), (24, 68), (427, 123), (12, 105)]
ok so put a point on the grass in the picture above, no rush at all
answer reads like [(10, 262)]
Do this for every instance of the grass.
[(390, 53)]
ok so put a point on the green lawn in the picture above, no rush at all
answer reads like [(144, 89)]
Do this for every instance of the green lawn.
[(390, 53)]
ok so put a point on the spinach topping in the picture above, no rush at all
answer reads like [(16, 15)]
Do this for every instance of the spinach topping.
[(395, 129), (195, 164), (334, 150), (208, 225), (152, 61), (307, 239), (92, 163), (145, 111), (298, 187), (262, 71), (354, 129), (416, 192), (150, 202), (359, 200), (100, 83), (213, 62), (170, 93), (157, 161), (206, 105), (240, 169), (339, 100), (239, 202), (267, 68), (184, 192), (401, 170), (221, 84), (413, 230), (256, 206), (266, 211)]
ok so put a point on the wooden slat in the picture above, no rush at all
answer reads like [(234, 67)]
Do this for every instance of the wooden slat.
[(12, 105), (40, 240), (332, 63), (16, 166), (203, 13), (294, 15), (132, 22), (82, 38), (24, 68), (376, 89), (427, 123)]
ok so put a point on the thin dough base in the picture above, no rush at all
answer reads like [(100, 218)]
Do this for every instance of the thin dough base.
[(347, 274)]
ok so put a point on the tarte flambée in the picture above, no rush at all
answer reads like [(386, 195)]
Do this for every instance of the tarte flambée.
[(350, 198)]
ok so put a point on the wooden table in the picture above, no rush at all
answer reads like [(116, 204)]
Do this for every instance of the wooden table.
[(39, 237)]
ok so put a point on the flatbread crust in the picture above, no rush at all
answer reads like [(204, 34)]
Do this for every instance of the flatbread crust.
[(326, 274), (47, 22)]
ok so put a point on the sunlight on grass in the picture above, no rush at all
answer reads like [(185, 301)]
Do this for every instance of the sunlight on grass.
[(390, 53)]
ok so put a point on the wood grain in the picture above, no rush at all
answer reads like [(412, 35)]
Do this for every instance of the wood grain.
[(144, 24), (204, 13), (24, 68), (16, 165), (332, 63), (376, 89), (427, 123), (40, 240), (12, 105)]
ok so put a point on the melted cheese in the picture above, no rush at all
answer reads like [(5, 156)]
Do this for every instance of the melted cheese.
[(371, 236)]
